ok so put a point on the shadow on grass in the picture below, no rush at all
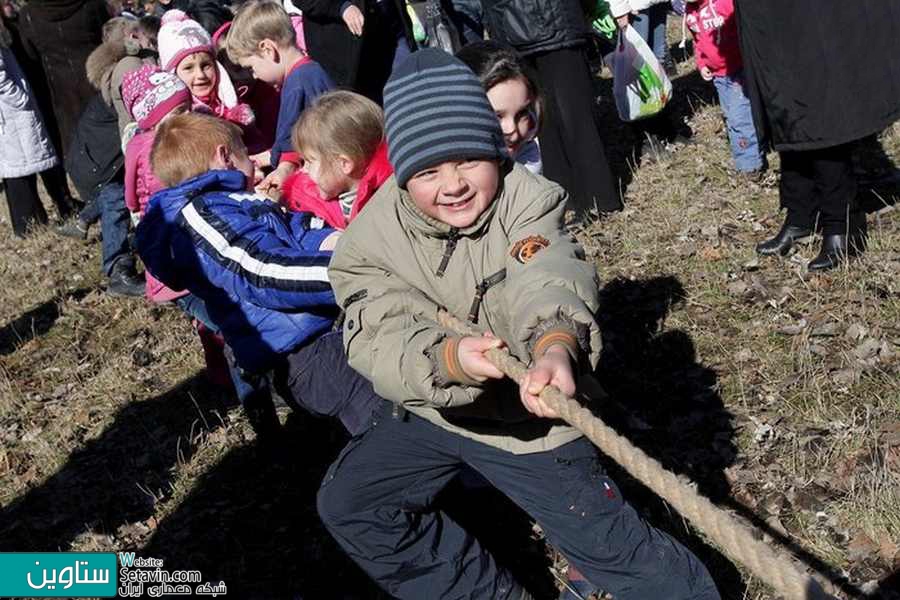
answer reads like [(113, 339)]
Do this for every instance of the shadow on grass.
[(665, 400), (878, 175), (623, 142), (667, 403), (34, 323), (889, 587), (832, 574), (251, 521), (112, 480)]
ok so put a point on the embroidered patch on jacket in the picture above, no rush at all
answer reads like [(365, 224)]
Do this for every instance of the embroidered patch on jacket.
[(524, 250)]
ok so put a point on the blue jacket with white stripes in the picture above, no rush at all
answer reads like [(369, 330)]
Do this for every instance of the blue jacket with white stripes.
[(259, 270)]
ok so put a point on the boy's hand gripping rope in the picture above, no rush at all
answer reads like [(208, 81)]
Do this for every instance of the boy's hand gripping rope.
[(775, 568)]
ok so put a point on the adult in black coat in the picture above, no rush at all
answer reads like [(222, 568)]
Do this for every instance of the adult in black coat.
[(552, 35), (357, 41), (820, 75), (60, 34)]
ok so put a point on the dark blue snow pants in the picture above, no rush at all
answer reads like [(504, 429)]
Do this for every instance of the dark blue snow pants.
[(375, 499)]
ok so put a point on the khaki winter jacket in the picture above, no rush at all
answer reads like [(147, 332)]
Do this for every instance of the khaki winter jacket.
[(515, 272), (106, 67)]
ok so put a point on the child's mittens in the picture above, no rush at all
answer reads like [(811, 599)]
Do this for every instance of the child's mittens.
[(241, 114)]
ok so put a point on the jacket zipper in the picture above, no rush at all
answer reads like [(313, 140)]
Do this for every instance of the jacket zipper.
[(480, 290), (452, 240)]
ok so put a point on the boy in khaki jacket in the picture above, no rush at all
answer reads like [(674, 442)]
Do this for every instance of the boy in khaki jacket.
[(461, 228)]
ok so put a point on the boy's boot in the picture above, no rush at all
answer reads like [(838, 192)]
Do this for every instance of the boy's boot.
[(74, 228), (123, 281)]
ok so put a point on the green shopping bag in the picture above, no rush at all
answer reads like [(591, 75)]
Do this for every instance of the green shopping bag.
[(640, 86)]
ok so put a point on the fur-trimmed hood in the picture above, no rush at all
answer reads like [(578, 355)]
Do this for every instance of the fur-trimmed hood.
[(103, 60), (105, 68)]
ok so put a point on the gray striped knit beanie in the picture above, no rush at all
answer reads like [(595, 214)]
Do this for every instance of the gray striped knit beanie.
[(436, 110)]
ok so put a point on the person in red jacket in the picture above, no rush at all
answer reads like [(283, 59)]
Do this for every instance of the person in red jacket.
[(341, 140), (718, 53)]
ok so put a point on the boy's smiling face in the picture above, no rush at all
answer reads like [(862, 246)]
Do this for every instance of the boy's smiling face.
[(455, 192)]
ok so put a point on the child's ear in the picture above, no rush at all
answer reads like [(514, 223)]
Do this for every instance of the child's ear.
[(222, 158), (268, 49), (346, 164)]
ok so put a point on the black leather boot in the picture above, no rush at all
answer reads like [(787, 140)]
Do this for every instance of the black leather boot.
[(837, 248), (123, 281), (783, 241)]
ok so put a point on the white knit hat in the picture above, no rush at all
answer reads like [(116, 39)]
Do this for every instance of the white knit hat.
[(179, 37)]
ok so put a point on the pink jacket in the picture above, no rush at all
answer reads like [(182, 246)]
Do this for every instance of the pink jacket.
[(716, 44), (140, 184)]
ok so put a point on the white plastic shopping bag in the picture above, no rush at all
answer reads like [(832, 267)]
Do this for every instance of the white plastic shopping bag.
[(640, 85)]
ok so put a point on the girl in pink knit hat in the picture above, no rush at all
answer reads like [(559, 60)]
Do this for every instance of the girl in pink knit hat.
[(150, 95), (186, 49)]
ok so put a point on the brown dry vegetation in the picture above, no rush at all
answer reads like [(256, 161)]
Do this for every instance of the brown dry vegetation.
[(776, 391)]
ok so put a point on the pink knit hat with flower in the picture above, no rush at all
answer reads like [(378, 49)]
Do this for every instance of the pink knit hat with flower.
[(179, 37), (150, 94)]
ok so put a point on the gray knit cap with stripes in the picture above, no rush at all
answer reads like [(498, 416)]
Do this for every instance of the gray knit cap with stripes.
[(436, 111)]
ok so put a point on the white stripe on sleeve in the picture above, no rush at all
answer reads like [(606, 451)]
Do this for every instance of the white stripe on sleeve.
[(247, 262)]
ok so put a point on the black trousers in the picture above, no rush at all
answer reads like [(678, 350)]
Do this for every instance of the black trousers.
[(571, 148), (25, 208), (818, 189), (376, 500), (318, 379)]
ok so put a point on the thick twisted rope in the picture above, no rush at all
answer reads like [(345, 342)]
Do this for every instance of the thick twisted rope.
[(777, 569)]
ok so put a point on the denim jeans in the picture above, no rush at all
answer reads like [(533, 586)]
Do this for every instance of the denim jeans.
[(91, 212), (401, 52), (651, 25), (114, 222), (745, 147), (252, 390)]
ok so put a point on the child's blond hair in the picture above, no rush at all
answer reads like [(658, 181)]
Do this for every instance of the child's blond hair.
[(117, 29), (340, 123), (185, 145), (255, 21)]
